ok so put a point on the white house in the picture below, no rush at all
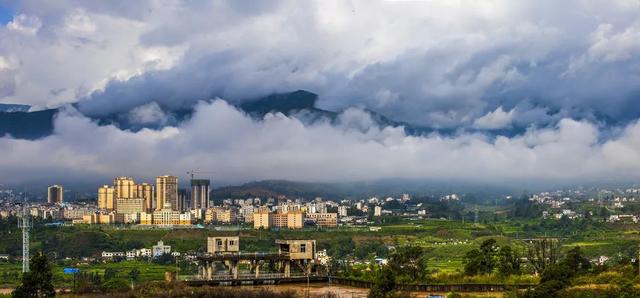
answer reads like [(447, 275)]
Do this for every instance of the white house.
[(160, 249)]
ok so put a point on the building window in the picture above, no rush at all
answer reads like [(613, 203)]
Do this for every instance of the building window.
[(303, 248), (231, 242), (219, 242)]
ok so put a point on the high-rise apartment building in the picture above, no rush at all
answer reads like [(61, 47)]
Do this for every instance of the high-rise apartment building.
[(55, 194), (342, 211), (106, 197), (167, 192), (145, 191), (200, 192), (125, 187), (377, 211), (183, 200), (261, 219)]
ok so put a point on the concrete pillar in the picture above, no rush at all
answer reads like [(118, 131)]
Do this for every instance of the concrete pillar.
[(257, 271), (209, 270), (234, 269), (287, 268)]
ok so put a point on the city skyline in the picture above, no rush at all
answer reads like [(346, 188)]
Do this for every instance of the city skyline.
[(320, 148)]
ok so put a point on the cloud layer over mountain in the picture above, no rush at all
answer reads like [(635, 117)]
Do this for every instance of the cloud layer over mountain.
[(567, 74), (235, 147)]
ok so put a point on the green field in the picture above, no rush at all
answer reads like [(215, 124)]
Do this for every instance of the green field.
[(445, 242), (148, 272)]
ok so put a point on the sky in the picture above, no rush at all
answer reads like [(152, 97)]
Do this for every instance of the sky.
[(564, 75)]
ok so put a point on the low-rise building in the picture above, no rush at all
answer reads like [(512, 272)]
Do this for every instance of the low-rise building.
[(289, 220), (298, 249), (221, 214), (160, 249), (112, 254), (324, 219), (223, 244)]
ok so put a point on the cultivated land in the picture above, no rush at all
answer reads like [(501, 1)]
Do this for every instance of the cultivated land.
[(445, 244)]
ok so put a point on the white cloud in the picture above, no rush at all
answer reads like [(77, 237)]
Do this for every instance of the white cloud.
[(497, 119), (150, 113), (25, 24), (223, 140)]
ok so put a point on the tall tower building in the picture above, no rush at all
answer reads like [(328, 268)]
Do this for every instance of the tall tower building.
[(55, 194), (183, 204), (167, 192), (145, 191), (106, 197), (200, 192), (125, 187)]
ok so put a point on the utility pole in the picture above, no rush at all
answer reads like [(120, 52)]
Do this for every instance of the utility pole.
[(24, 222)]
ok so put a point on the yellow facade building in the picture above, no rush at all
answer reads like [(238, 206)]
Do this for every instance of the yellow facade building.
[(145, 192), (220, 214), (288, 220), (130, 206), (106, 197), (125, 187), (324, 219), (166, 192), (99, 218), (168, 216), (261, 219)]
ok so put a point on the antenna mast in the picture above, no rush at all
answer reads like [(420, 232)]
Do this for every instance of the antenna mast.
[(24, 222)]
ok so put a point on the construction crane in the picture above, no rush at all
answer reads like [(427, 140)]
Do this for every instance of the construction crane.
[(193, 172)]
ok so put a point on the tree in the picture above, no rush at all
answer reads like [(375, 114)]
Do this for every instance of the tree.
[(557, 276), (508, 261), (604, 213), (134, 274), (481, 260), (383, 284), (163, 259), (543, 253), (409, 263), (575, 260), (341, 246), (110, 273), (525, 208), (38, 281)]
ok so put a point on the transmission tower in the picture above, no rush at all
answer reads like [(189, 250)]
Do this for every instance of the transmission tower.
[(475, 217), (24, 222)]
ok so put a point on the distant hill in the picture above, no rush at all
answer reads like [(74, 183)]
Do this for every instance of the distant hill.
[(361, 190), (302, 104), (10, 108), (285, 103), (27, 125)]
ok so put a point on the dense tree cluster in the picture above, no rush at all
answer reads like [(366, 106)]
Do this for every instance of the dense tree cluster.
[(38, 281), (407, 264), (489, 257)]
